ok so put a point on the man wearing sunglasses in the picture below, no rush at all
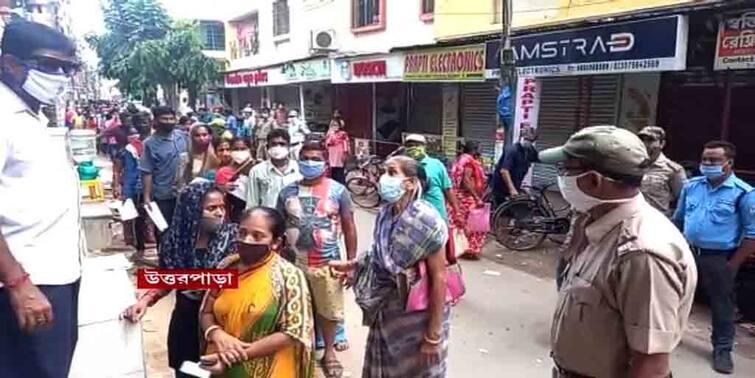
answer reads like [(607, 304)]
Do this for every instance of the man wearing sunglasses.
[(630, 277), (39, 213)]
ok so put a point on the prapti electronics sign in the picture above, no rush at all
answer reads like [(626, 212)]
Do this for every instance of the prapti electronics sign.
[(658, 44), (735, 48), (465, 63)]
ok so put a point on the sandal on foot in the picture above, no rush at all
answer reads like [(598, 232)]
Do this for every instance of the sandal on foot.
[(331, 368)]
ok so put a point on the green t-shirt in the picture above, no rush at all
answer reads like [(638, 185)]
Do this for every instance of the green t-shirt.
[(437, 182)]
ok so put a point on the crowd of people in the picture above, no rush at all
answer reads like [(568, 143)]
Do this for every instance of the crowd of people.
[(259, 195)]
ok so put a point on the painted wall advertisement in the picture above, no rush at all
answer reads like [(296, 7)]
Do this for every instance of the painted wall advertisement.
[(651, 45), (465, 63), (735, 47)]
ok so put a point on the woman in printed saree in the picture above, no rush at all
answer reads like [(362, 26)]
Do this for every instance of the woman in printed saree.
[(198, 238), (469, 184), (408, 232), (264, 328)]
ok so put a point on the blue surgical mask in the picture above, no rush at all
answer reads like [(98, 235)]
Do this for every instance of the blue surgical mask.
[(712, 171), (391, 188), (311, 169)]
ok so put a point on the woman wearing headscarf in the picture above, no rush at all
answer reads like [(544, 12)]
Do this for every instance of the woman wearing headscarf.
[(263, 328), (409, 234), (198, 238), (203, 159), (469, 184)]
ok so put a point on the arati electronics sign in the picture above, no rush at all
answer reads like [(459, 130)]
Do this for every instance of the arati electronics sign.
[(657, 44)]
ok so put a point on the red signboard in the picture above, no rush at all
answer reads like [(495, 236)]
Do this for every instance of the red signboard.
[(246, 78), (736, 41), (370, 68)]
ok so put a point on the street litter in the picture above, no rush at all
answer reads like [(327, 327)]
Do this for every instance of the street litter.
[(483, 351), (491, 273)]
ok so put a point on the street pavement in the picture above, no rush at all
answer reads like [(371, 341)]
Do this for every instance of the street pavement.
[(500, 328)]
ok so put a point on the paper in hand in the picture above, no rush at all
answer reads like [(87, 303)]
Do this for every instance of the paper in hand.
[(128, 210), (193, 369), (156, 215)]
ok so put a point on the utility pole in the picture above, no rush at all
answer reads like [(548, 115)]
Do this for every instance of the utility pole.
[(506, 55)]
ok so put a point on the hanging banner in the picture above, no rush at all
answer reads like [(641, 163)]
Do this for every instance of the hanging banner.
[(527, 107), (465, 63), (651, 45), (735, 46)]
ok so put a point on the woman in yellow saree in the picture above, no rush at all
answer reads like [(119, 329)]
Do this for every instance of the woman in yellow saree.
[(264, 328)]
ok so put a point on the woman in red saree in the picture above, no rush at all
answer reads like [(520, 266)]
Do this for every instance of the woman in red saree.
[(468, 178)]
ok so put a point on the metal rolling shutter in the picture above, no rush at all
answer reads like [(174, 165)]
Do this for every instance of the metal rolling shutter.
[(605, 95), (559, 105), (478, 114)]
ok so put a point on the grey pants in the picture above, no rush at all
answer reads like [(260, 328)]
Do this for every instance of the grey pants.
[(718, 282)]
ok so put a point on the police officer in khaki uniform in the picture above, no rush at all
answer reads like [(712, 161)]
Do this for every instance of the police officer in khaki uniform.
[(665, 178), (628, 287)]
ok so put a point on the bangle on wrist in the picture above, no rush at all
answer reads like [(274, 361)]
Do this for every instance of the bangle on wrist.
[(209, 330), (14, 282), (432, 341)]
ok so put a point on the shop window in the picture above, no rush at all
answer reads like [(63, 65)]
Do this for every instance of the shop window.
[(281, 24), (246, 42), (213, 35), (427, 8), (367, 15)]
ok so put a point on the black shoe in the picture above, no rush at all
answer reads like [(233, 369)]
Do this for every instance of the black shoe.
[(722, 362)]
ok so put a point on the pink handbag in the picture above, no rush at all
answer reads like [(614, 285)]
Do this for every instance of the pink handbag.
[(419, 292), (479, 219)]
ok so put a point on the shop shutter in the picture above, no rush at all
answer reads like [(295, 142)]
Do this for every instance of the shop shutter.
[(559, 105), (568, 104), (425, 108), (478, 114)]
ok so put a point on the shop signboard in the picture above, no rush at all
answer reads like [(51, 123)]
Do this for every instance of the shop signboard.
[(464, 63), (254, 78), (527, 105), (308, 70), (368, 70), (735, 46), (361, 147), (650, 45)]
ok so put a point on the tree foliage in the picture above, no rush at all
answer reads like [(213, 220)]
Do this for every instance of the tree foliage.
[(143, 48)]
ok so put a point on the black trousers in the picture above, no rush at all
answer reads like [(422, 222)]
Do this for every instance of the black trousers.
[(718, 282), (183, 333), (45, 353)]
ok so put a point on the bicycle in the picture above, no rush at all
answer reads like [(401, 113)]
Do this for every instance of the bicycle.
[(363, 183), (522, 223)]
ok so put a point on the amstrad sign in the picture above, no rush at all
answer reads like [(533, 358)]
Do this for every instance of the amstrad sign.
[(658, 44)]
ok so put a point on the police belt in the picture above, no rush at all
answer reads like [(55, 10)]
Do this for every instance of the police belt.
[(709, 252)]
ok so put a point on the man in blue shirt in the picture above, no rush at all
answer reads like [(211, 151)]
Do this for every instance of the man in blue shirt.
[(717, 214), (164, 158), (513, 166)]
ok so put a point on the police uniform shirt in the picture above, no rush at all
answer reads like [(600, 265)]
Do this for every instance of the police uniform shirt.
[(716, 218), (662, 183), (630, 288)]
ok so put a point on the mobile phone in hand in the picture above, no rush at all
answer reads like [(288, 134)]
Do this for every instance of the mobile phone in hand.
[(193, 369)]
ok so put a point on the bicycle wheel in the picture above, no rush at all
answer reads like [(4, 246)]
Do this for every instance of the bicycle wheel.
[(505, 227), (363, 192)]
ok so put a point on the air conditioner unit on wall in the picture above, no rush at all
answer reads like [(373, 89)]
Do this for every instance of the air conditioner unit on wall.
[(324, 40)]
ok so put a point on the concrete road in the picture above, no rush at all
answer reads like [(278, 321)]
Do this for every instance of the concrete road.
[(500, 329)]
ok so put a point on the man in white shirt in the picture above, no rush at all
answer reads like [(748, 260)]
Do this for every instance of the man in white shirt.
[(267, 178), (39, 209), (298, 131)]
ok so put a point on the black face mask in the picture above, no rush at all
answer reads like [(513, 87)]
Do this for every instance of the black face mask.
[(251, 253), (166, 126)]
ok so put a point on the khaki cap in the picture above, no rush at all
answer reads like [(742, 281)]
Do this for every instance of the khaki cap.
[(654, 132), (608, 149)]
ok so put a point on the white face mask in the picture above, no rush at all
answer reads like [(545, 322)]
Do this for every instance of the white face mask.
[(240, 156), (578, 199), (278, 152), (46, 88)]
